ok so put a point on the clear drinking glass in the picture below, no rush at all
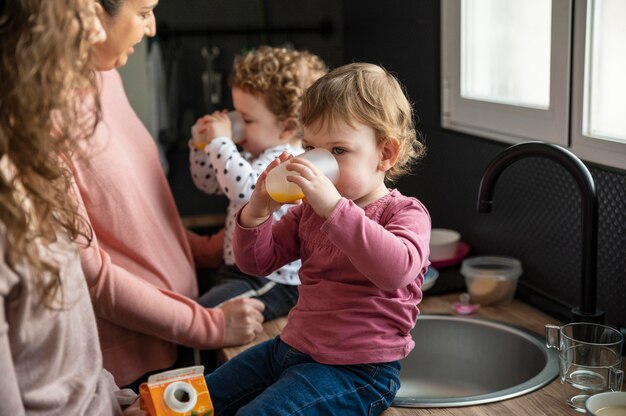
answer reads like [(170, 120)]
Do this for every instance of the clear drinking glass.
[(590, 360)]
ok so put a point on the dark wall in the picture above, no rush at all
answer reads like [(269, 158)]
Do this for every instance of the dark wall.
[(228, 27), (536, 214)]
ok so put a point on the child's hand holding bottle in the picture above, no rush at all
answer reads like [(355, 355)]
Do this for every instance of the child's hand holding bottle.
[(209, 127), (309, 175), (261, 205), (317, 187)]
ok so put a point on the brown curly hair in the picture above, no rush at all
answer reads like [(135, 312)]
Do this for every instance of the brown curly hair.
[(369, 94), (45, 82), (280, 76)]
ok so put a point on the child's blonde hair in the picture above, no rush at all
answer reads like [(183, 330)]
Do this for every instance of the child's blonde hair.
[(280, 76), (368, 94)]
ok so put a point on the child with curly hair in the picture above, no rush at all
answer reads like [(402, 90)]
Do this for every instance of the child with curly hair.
[(267, 88), (364, 251)]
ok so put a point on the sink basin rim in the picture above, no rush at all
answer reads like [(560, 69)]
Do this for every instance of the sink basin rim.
[(548, 373)]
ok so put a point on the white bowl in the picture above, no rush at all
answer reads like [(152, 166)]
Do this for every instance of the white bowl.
[(614, 399), (443, 244), (430, 277)]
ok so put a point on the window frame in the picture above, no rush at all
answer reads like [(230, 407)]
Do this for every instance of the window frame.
[(561, 123), (596, 150)]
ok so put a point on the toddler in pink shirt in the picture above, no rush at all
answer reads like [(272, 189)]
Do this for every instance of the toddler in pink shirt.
[(364, 251)]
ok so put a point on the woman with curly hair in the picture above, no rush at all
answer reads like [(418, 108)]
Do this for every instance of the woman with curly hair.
[(50, 358), (267, 88), (141, 264)]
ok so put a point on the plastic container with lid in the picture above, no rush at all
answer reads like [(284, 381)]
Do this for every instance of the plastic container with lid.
[(491, 279)]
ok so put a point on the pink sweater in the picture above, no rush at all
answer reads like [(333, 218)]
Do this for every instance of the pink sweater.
[(361, 275), (140, 266)]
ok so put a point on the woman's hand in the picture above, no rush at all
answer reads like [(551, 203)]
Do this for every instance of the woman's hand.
[(243, 319), (209, 127), (319, 191), (261, 205)]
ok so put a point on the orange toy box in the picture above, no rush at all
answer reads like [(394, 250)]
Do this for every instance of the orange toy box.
[(181, 392)]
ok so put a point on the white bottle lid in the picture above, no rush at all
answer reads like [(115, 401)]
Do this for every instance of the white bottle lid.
[(180, 396)]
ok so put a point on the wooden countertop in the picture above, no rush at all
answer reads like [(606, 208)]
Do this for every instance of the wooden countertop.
[(205, 220), (546, 401)]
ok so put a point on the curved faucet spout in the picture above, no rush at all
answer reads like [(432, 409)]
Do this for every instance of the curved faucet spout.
[(589, 217)]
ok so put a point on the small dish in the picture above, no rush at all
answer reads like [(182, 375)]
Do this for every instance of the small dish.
[(430, 278), (443, 243), (462, 249), (607, 403)]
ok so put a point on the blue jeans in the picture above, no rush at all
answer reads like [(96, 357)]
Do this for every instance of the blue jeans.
[(233, 283), (275, 379)]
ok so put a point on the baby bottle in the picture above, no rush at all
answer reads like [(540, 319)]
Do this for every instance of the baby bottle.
[(286, 192), (237, 126)]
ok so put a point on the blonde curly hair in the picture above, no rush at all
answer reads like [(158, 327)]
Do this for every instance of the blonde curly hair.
[(45, 82), (280, 76), (369, 94)]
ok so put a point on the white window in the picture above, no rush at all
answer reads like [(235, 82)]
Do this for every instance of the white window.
[(507, 67), (599, 87), (495, 59)]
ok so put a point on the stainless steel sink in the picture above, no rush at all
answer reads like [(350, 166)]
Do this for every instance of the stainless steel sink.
[(462, 361)]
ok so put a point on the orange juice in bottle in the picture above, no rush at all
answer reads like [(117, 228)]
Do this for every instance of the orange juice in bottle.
[(284, 191)]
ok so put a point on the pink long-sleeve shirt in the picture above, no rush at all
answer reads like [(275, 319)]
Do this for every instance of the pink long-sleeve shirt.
[(140, 266), (361, 274)]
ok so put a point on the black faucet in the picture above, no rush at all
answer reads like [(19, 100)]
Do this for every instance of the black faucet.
[(587, 311)]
